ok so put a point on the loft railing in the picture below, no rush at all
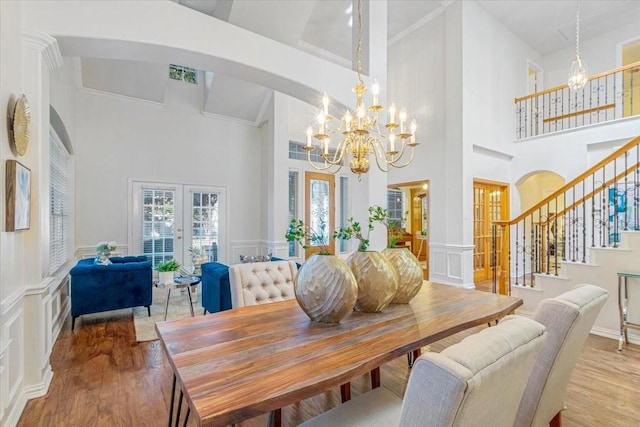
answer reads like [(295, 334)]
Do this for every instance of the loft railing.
[(589, 211), (608, 96)]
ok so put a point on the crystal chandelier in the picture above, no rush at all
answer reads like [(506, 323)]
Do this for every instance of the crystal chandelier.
[(578, 70), (360, 131)]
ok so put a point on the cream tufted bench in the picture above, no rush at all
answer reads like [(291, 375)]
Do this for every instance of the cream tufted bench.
[(261, 282)]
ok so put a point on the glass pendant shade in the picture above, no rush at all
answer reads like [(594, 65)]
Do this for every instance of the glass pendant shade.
[(577, 74)]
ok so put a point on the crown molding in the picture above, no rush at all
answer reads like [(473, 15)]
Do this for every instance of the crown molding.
[(322, 53), (46, 44), (228, 118), (97, 92), (263, 108)]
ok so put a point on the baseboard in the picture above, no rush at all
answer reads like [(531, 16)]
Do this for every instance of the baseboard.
[(16, 411), (39, 390)]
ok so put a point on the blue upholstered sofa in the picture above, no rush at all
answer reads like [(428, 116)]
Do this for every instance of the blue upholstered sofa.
[(216, 294), (125, 283)]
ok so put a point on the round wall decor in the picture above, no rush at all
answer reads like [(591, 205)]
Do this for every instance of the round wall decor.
[(21, 124)]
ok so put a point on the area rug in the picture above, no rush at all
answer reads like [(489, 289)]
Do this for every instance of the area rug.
[(178, 309)]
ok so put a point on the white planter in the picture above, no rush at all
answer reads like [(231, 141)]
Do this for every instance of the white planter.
[(166, 277)]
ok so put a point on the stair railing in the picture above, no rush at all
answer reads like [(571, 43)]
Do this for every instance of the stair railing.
[(606, 96), (589, 211)]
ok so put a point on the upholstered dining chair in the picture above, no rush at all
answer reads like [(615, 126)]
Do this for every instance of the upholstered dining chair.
[(569, 317), (477, 382), (261, 282)]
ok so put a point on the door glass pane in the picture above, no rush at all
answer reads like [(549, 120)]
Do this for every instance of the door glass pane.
[(293, 206), (158, 224), (319, 209), (344, 209), (204, 224)]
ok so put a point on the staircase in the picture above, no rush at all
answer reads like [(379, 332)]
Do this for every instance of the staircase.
[(585, 232), (601, 270)]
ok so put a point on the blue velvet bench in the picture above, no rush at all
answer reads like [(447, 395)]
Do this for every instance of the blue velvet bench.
[(125, 283)]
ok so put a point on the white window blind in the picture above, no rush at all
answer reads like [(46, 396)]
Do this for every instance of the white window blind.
[(60, 230)]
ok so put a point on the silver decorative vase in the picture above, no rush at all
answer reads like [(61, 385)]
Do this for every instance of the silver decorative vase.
[(325, 288), (409, 273), (377, 280)]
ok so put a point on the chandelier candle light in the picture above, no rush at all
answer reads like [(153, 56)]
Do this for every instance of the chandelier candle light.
[(361, 131), (578, 70)]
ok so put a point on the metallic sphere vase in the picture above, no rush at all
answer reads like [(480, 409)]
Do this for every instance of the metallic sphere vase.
[(377, 280), (409, 273), (325, 288)]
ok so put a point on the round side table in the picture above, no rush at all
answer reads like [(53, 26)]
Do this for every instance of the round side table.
[(179, 283)]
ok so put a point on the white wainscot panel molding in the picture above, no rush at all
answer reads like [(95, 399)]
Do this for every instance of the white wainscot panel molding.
[(451, 264), (245, 247), (12, 397), (276, 249)]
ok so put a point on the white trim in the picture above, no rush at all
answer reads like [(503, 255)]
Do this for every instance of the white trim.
[(263, 108), (39, 288), (419, 24), (120, 97), (309, 48), (46, 44), (40, 389), (16, 410), (10, 301), (478, 149), (228, 118)]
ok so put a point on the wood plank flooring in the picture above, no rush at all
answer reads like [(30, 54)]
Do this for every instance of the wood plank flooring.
[(103, 377)]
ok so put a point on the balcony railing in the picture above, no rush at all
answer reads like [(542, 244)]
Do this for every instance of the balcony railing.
[(608, 96), (590, 211)]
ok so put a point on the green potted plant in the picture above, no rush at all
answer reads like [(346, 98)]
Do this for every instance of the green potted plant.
[(166, 271), (406, 264), (377, 279), (298, 232), (325, 287)]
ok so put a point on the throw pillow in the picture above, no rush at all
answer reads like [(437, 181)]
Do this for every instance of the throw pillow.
[(255, 258)]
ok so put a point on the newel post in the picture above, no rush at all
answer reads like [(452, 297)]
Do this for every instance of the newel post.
[(503, 264)]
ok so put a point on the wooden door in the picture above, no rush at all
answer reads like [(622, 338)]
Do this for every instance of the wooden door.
[(319, 198), (420, 227), (490, 203)]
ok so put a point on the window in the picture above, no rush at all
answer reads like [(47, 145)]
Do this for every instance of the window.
[(158, 209), (344, 209), (293, 206), (59, 226), (395, 204), (298, 152), (186, 74)]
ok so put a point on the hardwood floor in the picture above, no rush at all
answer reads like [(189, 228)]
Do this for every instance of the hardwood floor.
[(103, 377)]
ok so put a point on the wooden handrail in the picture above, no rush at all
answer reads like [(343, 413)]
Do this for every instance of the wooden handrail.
[(591, 194), (573, 182), (565, 86), (578, 113)]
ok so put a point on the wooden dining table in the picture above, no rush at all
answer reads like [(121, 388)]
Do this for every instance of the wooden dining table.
[(237, 364)]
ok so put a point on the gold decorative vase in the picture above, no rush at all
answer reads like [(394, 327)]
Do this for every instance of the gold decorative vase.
[(377, 280), (409, 273), (326, 288)]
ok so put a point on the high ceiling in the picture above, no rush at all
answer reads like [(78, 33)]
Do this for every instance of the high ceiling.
[(322, 28)]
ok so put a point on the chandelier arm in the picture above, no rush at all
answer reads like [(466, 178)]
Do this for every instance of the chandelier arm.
[(404, 165), (322, 168)]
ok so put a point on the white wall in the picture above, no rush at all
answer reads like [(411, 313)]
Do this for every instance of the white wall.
[(602, 53), (119, 139)]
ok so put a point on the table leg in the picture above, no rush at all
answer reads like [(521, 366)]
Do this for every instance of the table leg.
[(173, 398), (275, 418), (375, 378), (179, 409), (166, 306), (190, 302), (345, 392), (621, 313)]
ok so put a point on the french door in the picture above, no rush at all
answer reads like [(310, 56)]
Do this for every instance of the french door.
[(319, 194), (490, 203), (168, 220)]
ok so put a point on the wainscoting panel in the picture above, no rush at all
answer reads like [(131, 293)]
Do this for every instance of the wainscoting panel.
[(12, 364)]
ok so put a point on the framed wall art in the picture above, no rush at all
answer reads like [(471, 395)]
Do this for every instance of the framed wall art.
[(18, 190)]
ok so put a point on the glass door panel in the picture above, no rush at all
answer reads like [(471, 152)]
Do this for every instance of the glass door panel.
[(319, 208), (205, 212)]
